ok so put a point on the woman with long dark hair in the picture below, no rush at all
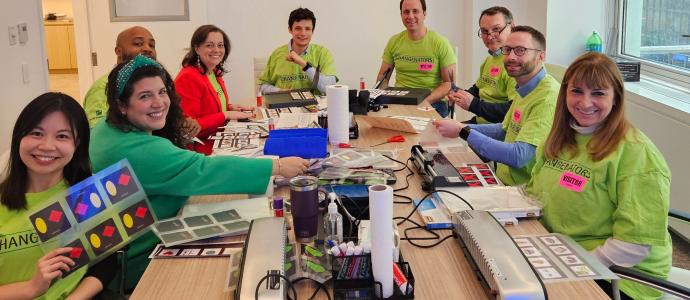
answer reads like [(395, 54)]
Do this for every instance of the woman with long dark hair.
[(49, 153)]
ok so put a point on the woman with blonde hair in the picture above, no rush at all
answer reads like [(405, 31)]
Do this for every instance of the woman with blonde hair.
[(601, 180)]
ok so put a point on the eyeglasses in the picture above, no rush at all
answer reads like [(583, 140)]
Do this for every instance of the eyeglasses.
[(494, 32), (519, 51)]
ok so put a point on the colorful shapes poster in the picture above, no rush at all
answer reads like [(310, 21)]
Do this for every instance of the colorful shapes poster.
[(96, 216)]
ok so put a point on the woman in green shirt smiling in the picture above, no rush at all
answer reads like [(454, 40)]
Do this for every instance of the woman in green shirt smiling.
[(601, 180), (144, 126), (49, 152)]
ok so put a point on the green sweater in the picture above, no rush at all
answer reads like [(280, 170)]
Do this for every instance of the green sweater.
[(170, 175)]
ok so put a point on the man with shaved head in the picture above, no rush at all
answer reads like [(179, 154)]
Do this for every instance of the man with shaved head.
[(130, 42)]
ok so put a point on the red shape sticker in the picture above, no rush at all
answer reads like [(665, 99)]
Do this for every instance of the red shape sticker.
[(573, 182), (76, 252), (141, 212), (517, 115), (55, 216), (108, 231), (474, 183), (81, 209), (124, 179), (426, 67), (494, 71)]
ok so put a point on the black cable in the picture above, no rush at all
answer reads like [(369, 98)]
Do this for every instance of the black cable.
[(418, 226), (404, 197), (319, 284), (289, 284), (409, 174)]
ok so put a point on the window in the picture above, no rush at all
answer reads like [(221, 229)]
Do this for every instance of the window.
[(657, 32)]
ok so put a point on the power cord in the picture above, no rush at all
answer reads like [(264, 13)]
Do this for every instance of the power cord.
[(420, 227), (319, 284), (268, 275)]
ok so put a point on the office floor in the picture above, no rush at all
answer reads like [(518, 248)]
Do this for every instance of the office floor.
[(65, 83), (681, 252)]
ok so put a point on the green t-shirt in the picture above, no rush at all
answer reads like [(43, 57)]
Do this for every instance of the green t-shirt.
[(529, 120), (288, 75), (624, 196), (495, 86), (418, 64), (219, 90), (20, 247), (96, 101), (169, 175)]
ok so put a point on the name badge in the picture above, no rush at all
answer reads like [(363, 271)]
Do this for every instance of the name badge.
[(517, 115), (426, 67), (573, 181), (494, 71)]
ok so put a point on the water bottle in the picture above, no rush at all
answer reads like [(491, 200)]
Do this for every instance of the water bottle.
[(333, 224), (594, 43)]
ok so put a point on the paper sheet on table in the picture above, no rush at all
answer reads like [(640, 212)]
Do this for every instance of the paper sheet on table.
[(249, 209), (298, 120), (390, 122), (501, 201), (431, 136)]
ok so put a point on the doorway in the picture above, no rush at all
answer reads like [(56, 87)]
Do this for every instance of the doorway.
[(60, 47)]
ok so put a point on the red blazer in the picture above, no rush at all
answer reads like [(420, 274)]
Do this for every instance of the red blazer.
[(200, 101)]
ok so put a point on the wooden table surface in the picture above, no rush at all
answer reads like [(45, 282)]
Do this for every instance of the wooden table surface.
[(441, 272)]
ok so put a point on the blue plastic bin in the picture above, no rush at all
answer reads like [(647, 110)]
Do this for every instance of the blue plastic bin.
[(303, 142)]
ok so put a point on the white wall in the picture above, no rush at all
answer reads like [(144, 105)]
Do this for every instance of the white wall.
[(565, 37), (172, 37), (15, 93), (354, 31)]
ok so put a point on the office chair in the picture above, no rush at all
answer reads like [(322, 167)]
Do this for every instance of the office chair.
[(676, 287)]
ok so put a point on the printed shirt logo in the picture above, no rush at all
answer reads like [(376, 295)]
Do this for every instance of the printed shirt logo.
[(494, 71), (573, 182), (517, 115), (426, 67)]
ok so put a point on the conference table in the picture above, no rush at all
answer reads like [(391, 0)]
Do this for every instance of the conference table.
[(440, 272)]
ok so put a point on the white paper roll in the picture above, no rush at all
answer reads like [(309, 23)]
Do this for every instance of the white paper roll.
[(381, 215), (338, 113)]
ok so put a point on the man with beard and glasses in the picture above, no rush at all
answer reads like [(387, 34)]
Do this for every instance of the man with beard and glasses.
[(527, 123), (130, 42)]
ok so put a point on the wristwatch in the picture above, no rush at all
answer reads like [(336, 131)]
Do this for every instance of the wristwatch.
[(306, 67), (465, 132)]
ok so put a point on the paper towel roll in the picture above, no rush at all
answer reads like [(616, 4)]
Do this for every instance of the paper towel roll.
[(338, 113), (381, 214)]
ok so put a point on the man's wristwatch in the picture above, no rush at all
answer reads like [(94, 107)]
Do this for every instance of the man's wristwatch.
[(306, 67), (465, 132)]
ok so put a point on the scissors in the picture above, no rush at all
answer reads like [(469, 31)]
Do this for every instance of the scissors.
[(393, 139)]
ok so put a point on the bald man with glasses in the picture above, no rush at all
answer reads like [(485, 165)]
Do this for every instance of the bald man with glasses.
[(512, 143), (493, 84)]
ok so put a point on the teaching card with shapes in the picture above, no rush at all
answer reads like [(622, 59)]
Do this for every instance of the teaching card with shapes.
[(119, 184), (102, 213), (196, 250), (560, 258), (85, 203), (136, 217), (104, 237), (191, 227), (78, 255), (50, 222)]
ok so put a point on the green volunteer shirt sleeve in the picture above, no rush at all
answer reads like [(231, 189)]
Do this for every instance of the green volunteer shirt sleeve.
[(96, 101), (643, 194), (388, 51), (183, 172), (267, 75), (326, 62), (446, 54)]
